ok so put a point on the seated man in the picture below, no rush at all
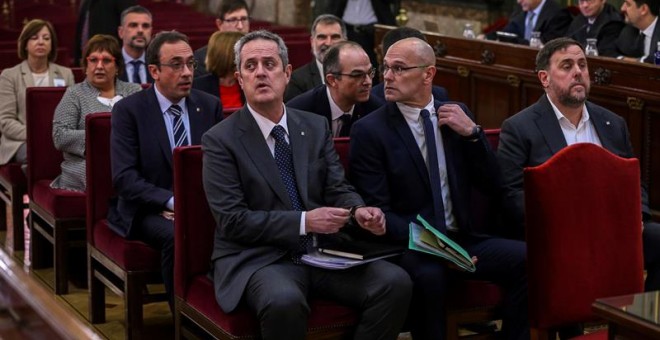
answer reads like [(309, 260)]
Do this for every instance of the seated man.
[(399, 33), (544, 16), (594, 14), (327, 30), (563, 116), (146, 127), (135, 34), (408, 160), (345, 96), (273, 180), (638, 40)]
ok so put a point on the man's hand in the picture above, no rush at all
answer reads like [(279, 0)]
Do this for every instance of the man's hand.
[(371, 219), (326, 220), (453, 116)]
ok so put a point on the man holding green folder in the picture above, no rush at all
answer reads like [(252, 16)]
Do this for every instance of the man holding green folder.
[(394, 167)]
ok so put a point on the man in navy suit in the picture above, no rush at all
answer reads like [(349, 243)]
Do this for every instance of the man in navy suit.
[(544, 16), (135, 33), (345, 97), (561, 117), (637, 40), (390, 165), (273, 179), (146, 127)]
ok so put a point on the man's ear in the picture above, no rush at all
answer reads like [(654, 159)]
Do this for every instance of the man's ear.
[(544, 78), (153, 71), (237, 75), (218, 24), (330, 80)]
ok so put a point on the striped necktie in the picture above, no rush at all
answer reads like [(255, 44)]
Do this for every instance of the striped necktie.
[(178, 129)]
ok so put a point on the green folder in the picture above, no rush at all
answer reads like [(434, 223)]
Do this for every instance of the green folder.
[(428, 240)]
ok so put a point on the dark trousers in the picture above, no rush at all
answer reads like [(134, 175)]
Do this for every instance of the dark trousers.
[(158, 232), (278, 293), (501, 261), (651, 244)]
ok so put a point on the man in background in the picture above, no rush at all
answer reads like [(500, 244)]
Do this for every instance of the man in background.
[(544, 16), (135, 34), (327, 30), (594, 14), (637, 41), (97, 17)]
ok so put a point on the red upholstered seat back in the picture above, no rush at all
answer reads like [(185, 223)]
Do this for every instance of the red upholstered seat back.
[(99, 174), (493, 136), (43, 159), (194, 226), (584, 233), (342, 146), (299, 52)]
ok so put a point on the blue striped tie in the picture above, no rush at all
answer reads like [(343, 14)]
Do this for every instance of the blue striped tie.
[(178, 129)]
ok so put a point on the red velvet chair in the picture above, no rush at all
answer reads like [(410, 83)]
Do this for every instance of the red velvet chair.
[(299, 52), (197, 312), (342, 146), (57, 217), (13, 185), (584, 234), (124, 266)]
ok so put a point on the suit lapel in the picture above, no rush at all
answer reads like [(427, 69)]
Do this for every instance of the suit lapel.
[(195, 117), (299, 147), (323, 104), (159, 129), (548, 125), (27, 75), (602, 126), (403, 131), (256, 148)]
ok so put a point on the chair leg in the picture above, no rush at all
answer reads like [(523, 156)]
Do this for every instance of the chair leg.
[(96, 294), (60, 263), (3, 215), (39, 246), (133, 290), (17, 207)]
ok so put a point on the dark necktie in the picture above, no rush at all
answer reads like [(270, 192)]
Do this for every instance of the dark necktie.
[(639, 44), (346, 121), (284, 160), (178, 129), (136, 71), (434, 171), (529, 27)]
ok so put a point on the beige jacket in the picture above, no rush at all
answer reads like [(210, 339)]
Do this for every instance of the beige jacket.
[(13, 83)]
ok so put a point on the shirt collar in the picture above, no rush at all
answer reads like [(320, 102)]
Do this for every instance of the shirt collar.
[(559, 115), (335, 111), (412, 113), (166, 103), (128, 58), (648, 32), (265, 124), (538, 9)]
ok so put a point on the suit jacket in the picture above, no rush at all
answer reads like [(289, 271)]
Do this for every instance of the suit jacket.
[(200, 56), (382, 9), (552, 23), (317, 101), (532, 136), (13, 83), (439, 92), (389, 171), (303, 79), (104, 18), (578, 28), (623, 44), (142, 156), (256, 221), (210, 83)]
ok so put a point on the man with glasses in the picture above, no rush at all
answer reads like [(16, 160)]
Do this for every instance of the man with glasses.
[(135, 33), (416, 155), (345, 97), (233, 16), (145, 131), (594, 14), (327, 30)]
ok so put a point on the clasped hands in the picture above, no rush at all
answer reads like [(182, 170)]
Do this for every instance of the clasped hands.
[(329, 220)]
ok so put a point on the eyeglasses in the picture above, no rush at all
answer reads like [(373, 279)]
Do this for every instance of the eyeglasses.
[(94, 60), (178, 66), (584, 1), (397, 70), (358, 75), (235, 21)]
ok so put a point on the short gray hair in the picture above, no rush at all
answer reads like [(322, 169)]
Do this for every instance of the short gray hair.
[(261, 35), (328, 19)]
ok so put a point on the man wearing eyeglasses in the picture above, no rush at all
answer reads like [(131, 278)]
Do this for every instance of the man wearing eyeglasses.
[(327, 30), (145, 131), (233, 16), (594, 14), (345, 97), (416, 155)]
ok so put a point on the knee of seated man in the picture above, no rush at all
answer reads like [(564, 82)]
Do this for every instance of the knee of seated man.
[(287, 300)]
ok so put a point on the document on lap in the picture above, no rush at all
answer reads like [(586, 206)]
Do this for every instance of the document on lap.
[(428, 240), (318, 259)]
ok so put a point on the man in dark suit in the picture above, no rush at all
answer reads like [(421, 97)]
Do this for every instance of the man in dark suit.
[(146, 127), (544, 16), (394, 167), (561, 117), (594, 14), (97, 17), (327, 30), (346, 97), (392, 36), (638, 40), (135, 33), (233, 16), (273, 179)]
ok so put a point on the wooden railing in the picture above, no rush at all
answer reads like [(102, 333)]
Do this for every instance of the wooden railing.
[(497, 80)]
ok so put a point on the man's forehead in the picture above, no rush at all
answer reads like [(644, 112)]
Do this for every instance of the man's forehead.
[(133, 17), (236, 13), (177, 49), (572, 52)]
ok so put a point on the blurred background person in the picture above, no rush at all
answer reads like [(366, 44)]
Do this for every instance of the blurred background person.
[(135, 34), (97, 93), (221, 81), (594, 14), (37, 47)]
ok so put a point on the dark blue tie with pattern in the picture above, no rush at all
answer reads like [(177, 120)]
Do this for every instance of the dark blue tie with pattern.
[(136, 71), (434, 171), (284, 160)]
